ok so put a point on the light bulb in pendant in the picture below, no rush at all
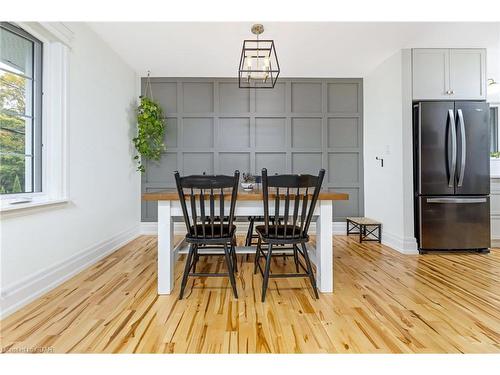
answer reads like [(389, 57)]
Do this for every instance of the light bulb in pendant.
[(249, 67), (267, 62), (266, 69)]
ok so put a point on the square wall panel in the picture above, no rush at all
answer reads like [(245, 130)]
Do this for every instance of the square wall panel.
[(197, 163), (306, 132), (343, 97), (306, 162), (270, 132), (149, 209), (350, 207), (231, 161), (170, 138), (343, 167), (272, 100), (198, 97), (163, 170), (343, 132), (198, 132), (233, 99), (234, 132), (274, 162), (165, 94), (306, 97)]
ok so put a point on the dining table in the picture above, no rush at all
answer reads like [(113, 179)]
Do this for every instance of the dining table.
[(249, 203)]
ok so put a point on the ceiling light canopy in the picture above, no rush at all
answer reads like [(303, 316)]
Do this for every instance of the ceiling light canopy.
[(259, 67)]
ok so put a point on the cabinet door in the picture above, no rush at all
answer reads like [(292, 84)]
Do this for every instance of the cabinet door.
[(467, 73), (430, 73)]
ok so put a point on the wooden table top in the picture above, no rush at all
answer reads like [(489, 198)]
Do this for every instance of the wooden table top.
[(254, 195)]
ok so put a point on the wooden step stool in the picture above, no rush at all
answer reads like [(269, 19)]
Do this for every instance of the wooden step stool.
[(365, 227)]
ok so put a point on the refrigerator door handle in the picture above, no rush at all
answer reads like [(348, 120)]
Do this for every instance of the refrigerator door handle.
[(456, 200), (451, 117), (464, 147)]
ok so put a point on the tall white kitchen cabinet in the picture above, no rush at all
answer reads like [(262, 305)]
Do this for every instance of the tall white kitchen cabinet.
[(449, 73)]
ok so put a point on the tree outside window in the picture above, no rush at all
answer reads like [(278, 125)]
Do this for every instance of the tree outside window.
[(20, 111)]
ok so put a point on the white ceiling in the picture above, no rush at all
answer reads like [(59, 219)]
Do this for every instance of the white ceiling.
[(307, 49)]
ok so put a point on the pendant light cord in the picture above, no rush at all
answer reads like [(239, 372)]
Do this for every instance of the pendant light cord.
[(148, 86), (258, 52)]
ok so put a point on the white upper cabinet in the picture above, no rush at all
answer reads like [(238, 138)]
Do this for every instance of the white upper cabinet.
[(468, 73), (430, 73), (449, 74)]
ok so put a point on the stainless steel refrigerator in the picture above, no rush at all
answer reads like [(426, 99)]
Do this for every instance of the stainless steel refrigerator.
[(452, 175)]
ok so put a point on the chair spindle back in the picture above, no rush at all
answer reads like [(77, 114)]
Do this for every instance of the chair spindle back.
[(197, 190), (300, 190)]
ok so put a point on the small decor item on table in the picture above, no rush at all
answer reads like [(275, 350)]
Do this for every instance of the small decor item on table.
[(150, 129), (248, 182)]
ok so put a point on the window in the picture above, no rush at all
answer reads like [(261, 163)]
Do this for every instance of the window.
[(20, 111)]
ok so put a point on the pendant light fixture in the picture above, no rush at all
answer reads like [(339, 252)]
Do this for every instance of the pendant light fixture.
[(259, 67)]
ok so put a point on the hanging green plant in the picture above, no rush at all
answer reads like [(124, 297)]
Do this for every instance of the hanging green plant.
[(150, 131)]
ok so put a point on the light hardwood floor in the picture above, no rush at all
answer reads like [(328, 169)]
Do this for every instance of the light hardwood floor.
[(384, 302)]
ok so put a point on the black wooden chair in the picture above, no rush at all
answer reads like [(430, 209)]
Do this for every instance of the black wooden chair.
[(207, 230), (249, 240), (302, 191)]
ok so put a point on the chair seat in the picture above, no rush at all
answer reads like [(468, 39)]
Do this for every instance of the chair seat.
[(226, 231), (280, 230)]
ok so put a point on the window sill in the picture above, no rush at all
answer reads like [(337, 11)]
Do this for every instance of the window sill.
[(6, 206)]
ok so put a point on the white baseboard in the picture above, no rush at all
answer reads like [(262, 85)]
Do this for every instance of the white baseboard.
[(150, 228), (401, 244), (338, 227), (241, 228), (17, 295)]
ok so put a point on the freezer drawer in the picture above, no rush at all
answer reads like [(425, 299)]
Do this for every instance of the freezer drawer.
[(454, 223)]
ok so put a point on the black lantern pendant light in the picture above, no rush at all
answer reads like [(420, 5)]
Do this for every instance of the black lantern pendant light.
[(259, 67)]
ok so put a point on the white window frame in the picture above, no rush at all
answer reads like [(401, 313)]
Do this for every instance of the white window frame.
[(56, 39)]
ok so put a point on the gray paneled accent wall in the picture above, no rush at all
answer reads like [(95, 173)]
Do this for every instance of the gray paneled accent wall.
[(300, 126)]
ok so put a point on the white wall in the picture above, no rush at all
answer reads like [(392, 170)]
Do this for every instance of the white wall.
[(41, 247), (387, 134)]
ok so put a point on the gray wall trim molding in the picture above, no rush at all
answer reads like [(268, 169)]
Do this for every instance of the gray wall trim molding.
[(300, 126)]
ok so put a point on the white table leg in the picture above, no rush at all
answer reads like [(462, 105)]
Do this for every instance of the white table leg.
[(166, 254), (324, 247)]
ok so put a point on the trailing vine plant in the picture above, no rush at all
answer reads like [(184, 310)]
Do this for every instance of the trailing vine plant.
[(150, 130)]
